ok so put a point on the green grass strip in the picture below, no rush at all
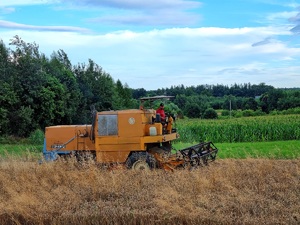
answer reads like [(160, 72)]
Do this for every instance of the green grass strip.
[(20, 149), (270, 150)]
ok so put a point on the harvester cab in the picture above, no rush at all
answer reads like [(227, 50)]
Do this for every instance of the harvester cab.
[(134, 138), (168, 121)]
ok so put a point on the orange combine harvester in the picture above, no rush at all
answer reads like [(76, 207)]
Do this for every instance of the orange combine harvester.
[(135, 138)]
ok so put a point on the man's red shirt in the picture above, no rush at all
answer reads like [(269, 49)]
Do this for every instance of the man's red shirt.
[(161, 111)]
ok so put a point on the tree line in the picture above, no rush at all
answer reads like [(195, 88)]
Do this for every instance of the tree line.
[(38, 91), (195, 101)]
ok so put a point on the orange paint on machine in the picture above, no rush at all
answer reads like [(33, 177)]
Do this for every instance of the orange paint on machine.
[(135, 138)]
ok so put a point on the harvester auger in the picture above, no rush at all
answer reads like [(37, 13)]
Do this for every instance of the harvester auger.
[(134, 138)]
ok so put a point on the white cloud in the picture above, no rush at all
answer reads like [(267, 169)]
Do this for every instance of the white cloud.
[(161, 13), (25, 2), (138, 4), (7, 10), (161, 58), (12, 25), (160, 18), (282, 16)]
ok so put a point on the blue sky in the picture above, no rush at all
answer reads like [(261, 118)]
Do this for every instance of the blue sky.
[(156, 44)]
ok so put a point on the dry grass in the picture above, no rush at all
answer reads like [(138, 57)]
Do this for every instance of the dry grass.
[(250, 191)]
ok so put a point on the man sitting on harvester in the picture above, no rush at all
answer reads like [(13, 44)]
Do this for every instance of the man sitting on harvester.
[(161, 112)]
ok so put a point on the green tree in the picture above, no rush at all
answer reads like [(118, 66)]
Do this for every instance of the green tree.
[(138, 93), (181, 101), (210, 113), (41, 94), (250, 103), (51, 103), (269, 100), (230, 103), (291, 99), (97, 88), (8, 99), (21, 120), (60, 67), (27, 79), (192, 110), (123, 97)]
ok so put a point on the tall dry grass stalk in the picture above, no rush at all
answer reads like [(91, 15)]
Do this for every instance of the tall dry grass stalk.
[(251, 191)]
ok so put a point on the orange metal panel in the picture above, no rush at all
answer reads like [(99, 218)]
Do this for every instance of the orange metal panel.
[(105, 140), (111, 156), (59, 135), (159, 138), (119, 147), (118, 143), (130, 124), (132, 140)]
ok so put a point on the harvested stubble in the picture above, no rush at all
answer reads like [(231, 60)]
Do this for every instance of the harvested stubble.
[(250, 191)]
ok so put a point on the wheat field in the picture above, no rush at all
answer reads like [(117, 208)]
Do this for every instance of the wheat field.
[(248, 191)]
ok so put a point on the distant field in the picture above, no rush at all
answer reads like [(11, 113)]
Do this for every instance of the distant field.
[(246, 129), (273, 137)]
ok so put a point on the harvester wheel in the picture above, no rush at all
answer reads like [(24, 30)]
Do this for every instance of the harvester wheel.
[(140, 165), (140, 161)]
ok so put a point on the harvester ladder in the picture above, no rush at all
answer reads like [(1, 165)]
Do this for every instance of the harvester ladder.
[(80, 142)]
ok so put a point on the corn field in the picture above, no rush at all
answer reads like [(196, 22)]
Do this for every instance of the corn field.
[(249, 129)]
